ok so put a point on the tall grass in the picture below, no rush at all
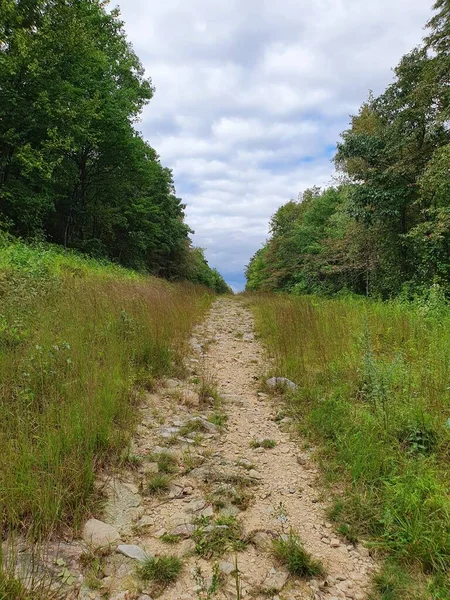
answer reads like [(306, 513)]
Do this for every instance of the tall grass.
[(76, 338), (374, 393)]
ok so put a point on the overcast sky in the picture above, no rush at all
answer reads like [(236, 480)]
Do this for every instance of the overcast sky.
[(251, 96)]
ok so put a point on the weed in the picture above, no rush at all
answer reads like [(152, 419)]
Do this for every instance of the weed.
[(170, 538), (218, 419), (214, 537), (157, 484), (207, 391), (290, 552), (265, 443), (191, 461), (192, 426), (167, 463), (348, 531), (208, 587), (160, 569)]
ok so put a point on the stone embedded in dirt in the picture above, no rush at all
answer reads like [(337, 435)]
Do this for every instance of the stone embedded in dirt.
[(121, 596), (184, 531), (283, 382), (195, 505), (175, 491), (206, 512), (335, 543), (160, 450), (226, 567), (99, 534), (168, 432), (254, 474), (186, 547), (229, 511), (123, 505), (145, 521), (275, 580), (262, 541), (132, 551), (144, 597), (286, 420)]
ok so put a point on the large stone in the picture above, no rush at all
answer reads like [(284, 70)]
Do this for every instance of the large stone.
[(99, 534), (185, 530), (132, 551), (275, 580), (263, 541), (281, 382), (123, 506)]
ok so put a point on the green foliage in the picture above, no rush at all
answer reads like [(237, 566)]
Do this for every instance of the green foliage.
[(167, 463), (265, 443), (214, 537), (374, 397), (73, 169), (160, 569), (290, 552), (387, 228)]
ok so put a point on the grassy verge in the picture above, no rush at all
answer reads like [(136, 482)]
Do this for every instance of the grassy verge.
[(77, 338), (374, 395)]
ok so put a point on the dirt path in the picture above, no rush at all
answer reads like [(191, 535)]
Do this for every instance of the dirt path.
[(220, 476)]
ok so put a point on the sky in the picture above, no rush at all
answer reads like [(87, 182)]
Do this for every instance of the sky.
[(251, 96)]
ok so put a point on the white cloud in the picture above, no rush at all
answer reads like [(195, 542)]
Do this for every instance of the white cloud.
[(252, 94)]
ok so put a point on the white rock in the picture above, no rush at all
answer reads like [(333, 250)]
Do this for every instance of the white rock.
[(99, 534), (132, 551), (275, 382), (226, 567)]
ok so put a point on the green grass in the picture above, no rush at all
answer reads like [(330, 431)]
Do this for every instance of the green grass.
[(218, 419), (157, 484), (170, 538), (77, 337), (266, 443), (290, 552), (167, 463), (214, 537), (374, 397), (161, 569)]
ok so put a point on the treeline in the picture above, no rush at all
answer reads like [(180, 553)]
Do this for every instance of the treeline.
[(385, 229), (73, 169)]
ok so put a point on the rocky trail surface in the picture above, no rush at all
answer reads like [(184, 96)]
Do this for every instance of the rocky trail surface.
[(201, 486)]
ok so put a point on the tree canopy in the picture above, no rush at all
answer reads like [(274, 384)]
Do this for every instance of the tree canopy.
[(385, 229), (73, 168)]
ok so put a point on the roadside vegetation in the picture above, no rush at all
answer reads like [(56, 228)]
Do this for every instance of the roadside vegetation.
[(374, 398), (78, 340)]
